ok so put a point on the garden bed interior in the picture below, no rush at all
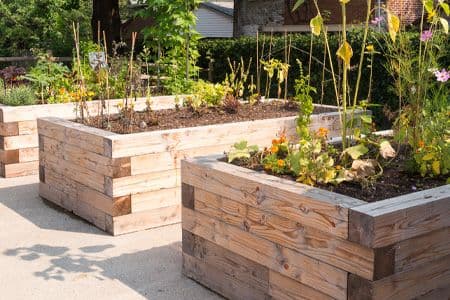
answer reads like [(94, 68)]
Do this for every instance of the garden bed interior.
[(250, 235), (19, 149), (129, 182)]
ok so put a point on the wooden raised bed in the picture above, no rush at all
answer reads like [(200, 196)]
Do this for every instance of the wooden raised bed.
[(19, 152), (249, 235), (125, 183)]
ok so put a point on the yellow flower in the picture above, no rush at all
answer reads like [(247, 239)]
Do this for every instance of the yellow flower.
[(338, 167), (274, 149), (421, 144), (370, 48), (62, 90), (281, 163), (91, 94), (322, 132)]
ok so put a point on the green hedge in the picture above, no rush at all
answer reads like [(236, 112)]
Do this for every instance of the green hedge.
[(382, 92)]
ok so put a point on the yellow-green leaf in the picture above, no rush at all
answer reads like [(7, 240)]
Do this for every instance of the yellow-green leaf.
[(428, 156), (345, 53), (316, 25), (445, 7), (393, 25), (428, 4), (344, 1), (444, 23), (436, 167), (297, 4)]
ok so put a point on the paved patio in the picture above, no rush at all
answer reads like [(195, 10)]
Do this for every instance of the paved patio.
[(46, 253)]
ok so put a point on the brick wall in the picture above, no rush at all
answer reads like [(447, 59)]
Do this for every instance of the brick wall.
[(409, 11)]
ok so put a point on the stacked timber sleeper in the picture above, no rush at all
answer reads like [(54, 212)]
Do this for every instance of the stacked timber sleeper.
[(249, 235), (125, 183), (19, 152)]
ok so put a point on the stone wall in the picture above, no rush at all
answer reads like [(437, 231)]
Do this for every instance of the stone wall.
[(252, 14), (409, 11)]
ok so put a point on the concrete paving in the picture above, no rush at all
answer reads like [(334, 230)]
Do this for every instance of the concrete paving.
[(46, 253)]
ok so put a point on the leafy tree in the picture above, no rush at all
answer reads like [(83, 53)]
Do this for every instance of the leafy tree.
[(41, 24)]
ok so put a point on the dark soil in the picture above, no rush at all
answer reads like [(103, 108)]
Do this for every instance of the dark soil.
[(185, 117), (395, 181)]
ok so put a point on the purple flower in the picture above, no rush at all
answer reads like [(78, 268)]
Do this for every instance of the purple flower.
[(442, 76), (426, 35), (377, 20)]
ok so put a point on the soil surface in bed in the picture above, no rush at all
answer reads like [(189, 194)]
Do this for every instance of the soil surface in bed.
[(395, 181), (185, 117)]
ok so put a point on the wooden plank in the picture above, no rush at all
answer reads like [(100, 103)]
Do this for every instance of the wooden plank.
[(405, 285), (439, 293), (19, 142), (9, 156), (188, 195), (117, 187), (9, 129), (285, 288), (27, 127), (75, 172), (67, 111), (111, 206), (90, 214), (92, 161), (20, 169), (390, 221), (325, 247), (233, 267), (309, 206), (304, 269), (84, 137), (260, 131), (155, 199), (28, 154), (145, 220), (422, 250), (218, 281)]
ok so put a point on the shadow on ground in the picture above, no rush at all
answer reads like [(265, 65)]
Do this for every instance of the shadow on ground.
[(25, 201), (154, 273)]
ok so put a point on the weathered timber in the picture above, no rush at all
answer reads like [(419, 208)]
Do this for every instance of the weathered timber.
[(18, 130), (397, 248), (135, 179)]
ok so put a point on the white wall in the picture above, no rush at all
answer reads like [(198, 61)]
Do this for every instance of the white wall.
[(213, 24)]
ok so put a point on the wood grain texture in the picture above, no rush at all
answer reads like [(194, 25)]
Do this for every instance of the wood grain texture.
[(285, 288), (155, 199), (144, 220), (404, 285), (390, 221), (19, 169), (309, 206), (311, 272), (322, 246), (18, 142)]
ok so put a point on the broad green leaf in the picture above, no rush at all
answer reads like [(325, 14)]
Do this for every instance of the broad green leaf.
[(445, 7), (357, 151), (316, 25), (237, 154), (428, 4), (393, 25), (428, 157), (436, 167), (298, 4), (241, 145), (366, 119), (345, 53), (444, 23)]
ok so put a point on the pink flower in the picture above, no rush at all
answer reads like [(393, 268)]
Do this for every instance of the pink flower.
[(377, 20), (442, 76), (426, 35)]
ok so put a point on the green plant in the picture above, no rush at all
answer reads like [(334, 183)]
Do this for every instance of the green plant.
[(236, 80), (48, 77), (305, 102), (174, 40), (242, 150), (20, 95)]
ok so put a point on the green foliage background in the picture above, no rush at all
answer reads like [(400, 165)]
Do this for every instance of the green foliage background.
[(382, 92), (42, 24)]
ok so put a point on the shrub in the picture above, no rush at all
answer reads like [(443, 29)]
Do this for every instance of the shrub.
[(21, 95)]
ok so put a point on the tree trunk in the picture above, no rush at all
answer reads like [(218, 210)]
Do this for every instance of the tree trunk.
[(106, 13)]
